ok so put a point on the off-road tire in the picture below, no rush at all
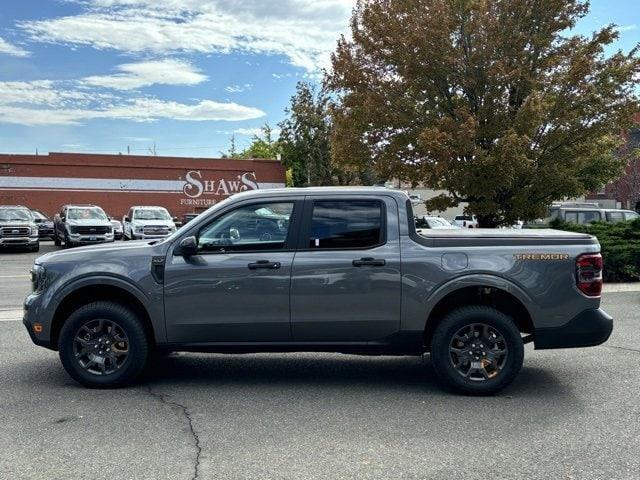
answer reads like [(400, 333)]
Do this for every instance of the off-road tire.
[(138, 345), (442, 338)]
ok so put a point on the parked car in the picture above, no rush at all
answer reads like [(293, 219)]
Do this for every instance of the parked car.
[(81, 225), (431, 222), (118, 231), (18, 228), (321, 269), (143, 223), (44, 223), (583, 213), (187, 217), (465, 221)]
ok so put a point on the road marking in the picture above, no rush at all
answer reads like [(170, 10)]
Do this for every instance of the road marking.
[(13, 315), (15, 276)]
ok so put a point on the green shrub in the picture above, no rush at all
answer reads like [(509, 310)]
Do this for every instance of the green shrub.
[(620, 244)]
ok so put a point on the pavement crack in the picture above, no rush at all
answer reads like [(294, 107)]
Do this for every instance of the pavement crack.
[(623, 348), (196, 439)]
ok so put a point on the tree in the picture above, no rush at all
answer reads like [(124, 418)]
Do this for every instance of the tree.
[(262, 146), (489, 100), (304, 138)]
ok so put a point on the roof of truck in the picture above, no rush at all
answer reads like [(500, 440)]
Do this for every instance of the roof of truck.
[(326, 191)]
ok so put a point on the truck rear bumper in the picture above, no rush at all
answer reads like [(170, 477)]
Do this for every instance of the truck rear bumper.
[(587, 329)]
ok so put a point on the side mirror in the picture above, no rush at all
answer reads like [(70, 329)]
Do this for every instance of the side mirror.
[(63, 218), (37, 220), (188, 247), (175, 219), (127, 219)]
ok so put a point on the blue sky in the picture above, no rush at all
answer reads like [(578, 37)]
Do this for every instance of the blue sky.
[(101, 75)]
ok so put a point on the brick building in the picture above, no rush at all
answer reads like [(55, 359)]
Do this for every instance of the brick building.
[(116, 182)]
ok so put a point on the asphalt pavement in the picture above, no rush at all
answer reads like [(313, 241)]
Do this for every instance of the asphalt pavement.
[(571, 414)]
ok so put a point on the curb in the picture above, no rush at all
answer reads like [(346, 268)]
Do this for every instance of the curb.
[(621, 287), (11, 315)]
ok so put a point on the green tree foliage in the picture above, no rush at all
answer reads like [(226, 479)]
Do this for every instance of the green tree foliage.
[(262, 146), (304, 138), (492, 101)]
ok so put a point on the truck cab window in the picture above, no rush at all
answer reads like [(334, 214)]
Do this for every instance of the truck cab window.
[(261, 226), (346, 224)]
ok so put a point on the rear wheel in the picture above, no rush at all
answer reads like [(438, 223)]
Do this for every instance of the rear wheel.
[(476, 350), (103, 345)]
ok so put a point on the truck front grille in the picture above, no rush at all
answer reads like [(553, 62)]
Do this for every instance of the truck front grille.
[(9, 232), (155, 230), (98, 230)]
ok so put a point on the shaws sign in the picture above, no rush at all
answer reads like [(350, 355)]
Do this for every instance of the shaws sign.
[(196, 188)]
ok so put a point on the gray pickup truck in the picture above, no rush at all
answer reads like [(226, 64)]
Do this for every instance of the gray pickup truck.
[(321, 269)]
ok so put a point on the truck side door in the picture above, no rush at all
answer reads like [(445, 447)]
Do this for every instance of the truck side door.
[(345, 281), (236, 288)]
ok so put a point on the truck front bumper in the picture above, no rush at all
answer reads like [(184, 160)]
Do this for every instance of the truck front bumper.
[(19, 241), (587, 329), (39, 330), (77, 239)]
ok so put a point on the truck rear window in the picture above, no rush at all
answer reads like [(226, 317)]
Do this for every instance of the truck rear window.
[(346, 224)]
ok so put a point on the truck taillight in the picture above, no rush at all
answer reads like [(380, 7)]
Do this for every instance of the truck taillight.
[(589, 274)]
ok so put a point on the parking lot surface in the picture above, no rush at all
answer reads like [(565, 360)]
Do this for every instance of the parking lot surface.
[(571, 414)]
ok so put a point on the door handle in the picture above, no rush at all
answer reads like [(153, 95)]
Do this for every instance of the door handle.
[(369, 262), (264, 264)]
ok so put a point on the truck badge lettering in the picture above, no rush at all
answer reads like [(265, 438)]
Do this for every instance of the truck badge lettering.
[(541, 256)]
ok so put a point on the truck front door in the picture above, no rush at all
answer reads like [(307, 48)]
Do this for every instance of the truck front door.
[(236, 288), (345, 282)]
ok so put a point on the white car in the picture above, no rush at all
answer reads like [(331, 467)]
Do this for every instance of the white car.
[(142, 223), (435, 223), (466, 221)]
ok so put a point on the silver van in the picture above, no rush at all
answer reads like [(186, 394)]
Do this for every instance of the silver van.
[(585, 212)]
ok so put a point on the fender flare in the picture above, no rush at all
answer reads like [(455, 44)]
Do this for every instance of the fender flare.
[(157, 324), (480, 279)]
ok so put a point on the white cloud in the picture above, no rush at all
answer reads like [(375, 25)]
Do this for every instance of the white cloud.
[(305, 32), (45, 102), (142, 74), (627, 28), (10, 49), (238, 88), (250, 132), (138, 139)]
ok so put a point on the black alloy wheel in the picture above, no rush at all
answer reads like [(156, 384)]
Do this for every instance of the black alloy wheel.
[(476, 350)]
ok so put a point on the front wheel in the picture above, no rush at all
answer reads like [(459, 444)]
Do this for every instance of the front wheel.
[(103, 345), (476, 350)]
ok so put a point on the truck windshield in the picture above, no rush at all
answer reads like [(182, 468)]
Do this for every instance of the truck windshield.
[(88, 213), (151, 214), (12, 214)]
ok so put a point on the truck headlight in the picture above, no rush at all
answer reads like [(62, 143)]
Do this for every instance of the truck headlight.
[(38, 278)]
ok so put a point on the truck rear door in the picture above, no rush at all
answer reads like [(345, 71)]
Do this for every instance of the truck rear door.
[(345, 281)]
